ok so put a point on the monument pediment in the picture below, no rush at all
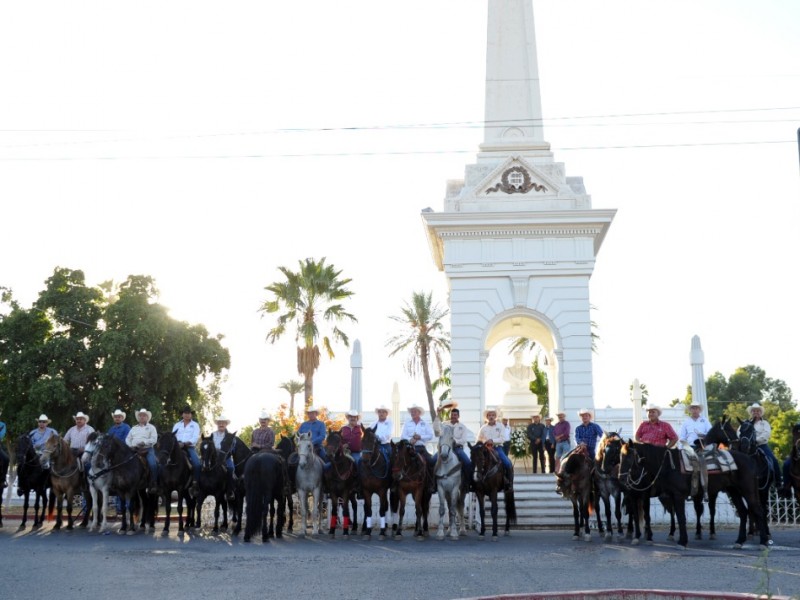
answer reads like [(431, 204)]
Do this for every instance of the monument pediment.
[(515, 177)]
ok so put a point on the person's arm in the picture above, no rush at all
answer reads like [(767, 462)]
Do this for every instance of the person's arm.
[(152, 436), (129, 438)]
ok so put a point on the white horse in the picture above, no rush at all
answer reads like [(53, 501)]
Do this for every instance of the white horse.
[(99, 485), (308, 480), (449, 485)]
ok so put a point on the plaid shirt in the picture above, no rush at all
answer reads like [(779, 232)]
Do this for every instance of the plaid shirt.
[(658, 433), (263, 438)]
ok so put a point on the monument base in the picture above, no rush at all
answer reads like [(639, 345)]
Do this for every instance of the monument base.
[(520, 406)]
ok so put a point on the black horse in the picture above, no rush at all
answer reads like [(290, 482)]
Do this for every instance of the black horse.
[(341, 481), (213, 482), (488, 480), (638, 487), (742, 485), (607, 484), (793, 481), (31, 477), (285, 448), (264, 485), (575, 482), (376, 478), (175, 475), (234, 447), (411, 476), (4, 462)]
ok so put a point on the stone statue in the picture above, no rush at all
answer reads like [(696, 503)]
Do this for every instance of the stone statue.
[(518, 376)]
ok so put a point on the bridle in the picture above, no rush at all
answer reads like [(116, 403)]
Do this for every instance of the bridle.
[(483, 457), (406, 458), (56, 451), (636, 484), (339, 452), (375, 454), (100, 442)]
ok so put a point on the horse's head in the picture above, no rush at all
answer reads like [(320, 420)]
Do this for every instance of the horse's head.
[(628, 461), (333, 442), (53, 450), (24, 447), (305, 448), (722, 432), (610, 452), (167, 448), (285, 446), (370, 439), (208, 453), (446, 442), (747, 437)]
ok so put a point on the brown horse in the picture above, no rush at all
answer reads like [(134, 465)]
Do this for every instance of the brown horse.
[(576, 484), (376, 478), (488, 480), (607, 485), (66, 479), (410, 475), (340, 481)]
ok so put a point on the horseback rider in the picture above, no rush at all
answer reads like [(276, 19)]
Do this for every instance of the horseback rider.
[(142, 438), (493, 432), (786, 490), (317, 430), (692, 434), (4, 460), (588, 432), (42, 433), (263, 435), (77, 435), (218, 437), (654, 431), (418, 432), (763, 432), (187, 434), (120, 428), (461, 435), (351, 434), (383, 431)]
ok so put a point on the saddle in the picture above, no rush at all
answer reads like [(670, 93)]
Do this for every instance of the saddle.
[(716, 460)]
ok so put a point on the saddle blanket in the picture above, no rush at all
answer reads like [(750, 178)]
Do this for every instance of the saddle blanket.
[(716, 460)]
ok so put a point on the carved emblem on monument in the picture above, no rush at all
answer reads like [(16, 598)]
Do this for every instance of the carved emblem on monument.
[(516, 180)]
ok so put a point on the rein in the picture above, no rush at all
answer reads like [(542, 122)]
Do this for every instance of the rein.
[(422, 471), (376, 456), (102, 472)]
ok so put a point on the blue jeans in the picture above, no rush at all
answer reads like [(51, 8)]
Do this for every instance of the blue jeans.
[(152, 464), (195, 460), (505, 460), (773, 462), (356, 457)]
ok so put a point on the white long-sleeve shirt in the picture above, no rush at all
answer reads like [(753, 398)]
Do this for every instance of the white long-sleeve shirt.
[(422, 429), (383, 430), (142, 434), (691, 429), (187, 434)]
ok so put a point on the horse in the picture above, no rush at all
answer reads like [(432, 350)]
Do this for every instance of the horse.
[(340, 481), (450, 485), (175, 474), (410, 475), (31, 477), (264, 485), (575, 482), (607, 484), (4, 463), (376, 478), (766, 477), (213, 482), (234, 447), (741, 485), (117, 467), (308, 480), (285, 448), (794, 463), (638, 487), (66, 479), (488, 480)]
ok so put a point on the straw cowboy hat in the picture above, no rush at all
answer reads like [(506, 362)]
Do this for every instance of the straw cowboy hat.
[(265, 416), (451, 404), (695, 403), (43, 417), (655, 408), (584, 411), (119, 413), (381, 407), (144, 411), (81, 415), (548, 418), (416, 406), (561, 413), (314, 409), (352, 413), (489, 409), (222, 419), (753, 407)]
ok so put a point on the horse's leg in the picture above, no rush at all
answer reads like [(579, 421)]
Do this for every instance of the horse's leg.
[(70, 521), (481, 514), (698, 511), (679, 506), (397, 531), (494, 500), (618, 511), (444, 504), (302, 499), (419, 509), (333, 516)]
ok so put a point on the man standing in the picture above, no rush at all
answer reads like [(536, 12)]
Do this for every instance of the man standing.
[(549, 444), (187, 434), (655, 431), (120, 428), (588, 433), (506, 436), (535, 434), (561, 431), (142, 436), (263, 435)]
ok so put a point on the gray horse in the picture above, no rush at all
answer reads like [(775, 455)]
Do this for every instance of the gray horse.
[(308, 481), (449, 486)]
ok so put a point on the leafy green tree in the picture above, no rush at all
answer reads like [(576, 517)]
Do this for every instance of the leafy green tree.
[(292, 387), (747, 385), (540, 387), (308, 298), (246, 434), (442, 385), (423, 337), (781, 439)]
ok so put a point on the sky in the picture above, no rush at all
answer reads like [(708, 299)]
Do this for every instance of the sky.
[(207, 144)]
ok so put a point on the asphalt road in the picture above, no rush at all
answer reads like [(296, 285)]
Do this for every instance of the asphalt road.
[(80, 564)]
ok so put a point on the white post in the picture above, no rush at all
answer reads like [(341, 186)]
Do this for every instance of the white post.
[(636, 398)]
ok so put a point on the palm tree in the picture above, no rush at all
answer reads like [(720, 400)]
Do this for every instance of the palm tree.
[(442, 382), (294, 387), (423, 336), (309, 297)]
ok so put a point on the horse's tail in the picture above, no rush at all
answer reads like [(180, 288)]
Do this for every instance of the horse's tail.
[(511, 506), (51, 505)]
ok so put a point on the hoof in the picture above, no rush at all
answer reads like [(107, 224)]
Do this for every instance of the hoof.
[(587, 537), (634, 542), (680, 547), (737, 546), (246, 539), (419, 538), (454, 537), (494, 538), (131, 532), (481, 537), (713, 536), (440, 536), (670, 538), (332, 536), (649, 542), (301, 534), (366, 537), (575, 538), (22, 526), (381, 537), (609, 537), (507, 533)]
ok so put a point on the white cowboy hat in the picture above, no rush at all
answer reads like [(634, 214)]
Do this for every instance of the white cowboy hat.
[(352, 413), (489, 409), (43, 417), (80, 415), (265, 416), (655, 408), (416, 406), (584, 411), (382, 407), (695, 403), (548, 418), (118, 413), (222, 419), (561, 412), (753, 407), (451, 404), (144, 411), (536, 416), (311, 409)]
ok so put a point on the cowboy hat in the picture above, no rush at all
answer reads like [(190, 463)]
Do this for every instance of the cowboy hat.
[(352, 413), (311, 409), (417, 407), (222, 419), (144, 411), (80, 415), (489, 409), (560, 413), (655, 408), (536, 416), (451, 404), (265, 416), (119, 413), (584, 411), (695, 403), (548, 418), (753, 407), (187, 409), (43, 417)]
